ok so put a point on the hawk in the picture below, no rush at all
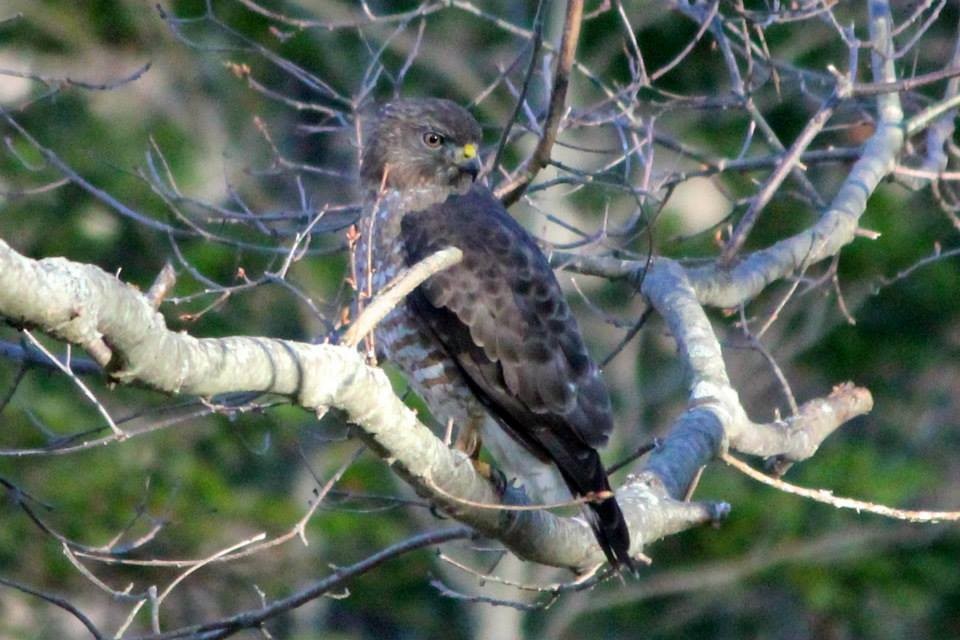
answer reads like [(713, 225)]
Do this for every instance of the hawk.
[(490, 343)]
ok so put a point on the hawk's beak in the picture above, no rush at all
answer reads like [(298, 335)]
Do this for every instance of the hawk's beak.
[(468, 161)]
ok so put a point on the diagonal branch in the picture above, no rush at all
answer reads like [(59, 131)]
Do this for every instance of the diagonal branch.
[(58, 601), (83, 304), (396, 291), (513, 190), (787, 164), (252, 619), (827, 497)]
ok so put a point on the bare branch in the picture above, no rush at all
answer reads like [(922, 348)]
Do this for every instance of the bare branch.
[(252, 619), (59, 602), (825, 496), (786, 165), (394, 293), (512, 191)]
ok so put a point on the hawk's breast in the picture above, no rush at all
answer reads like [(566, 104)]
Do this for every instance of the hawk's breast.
[(402, 337)]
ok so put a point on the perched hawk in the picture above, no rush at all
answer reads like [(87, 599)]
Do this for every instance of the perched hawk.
[(491, 337)]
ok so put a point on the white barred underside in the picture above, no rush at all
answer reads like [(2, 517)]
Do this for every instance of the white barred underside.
[(401, 336)]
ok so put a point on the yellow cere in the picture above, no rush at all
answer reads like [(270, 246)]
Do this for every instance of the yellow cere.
[(469, 150)]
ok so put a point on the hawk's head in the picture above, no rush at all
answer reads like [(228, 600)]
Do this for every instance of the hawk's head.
[(422, 142)]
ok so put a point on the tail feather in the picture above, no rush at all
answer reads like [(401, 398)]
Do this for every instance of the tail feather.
[(584, 475), (613, 536)]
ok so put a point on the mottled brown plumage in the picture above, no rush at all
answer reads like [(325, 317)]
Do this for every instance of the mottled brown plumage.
[(492, 335)]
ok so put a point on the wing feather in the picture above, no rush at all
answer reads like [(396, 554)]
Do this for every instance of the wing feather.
[(508, 301), (502, 317)]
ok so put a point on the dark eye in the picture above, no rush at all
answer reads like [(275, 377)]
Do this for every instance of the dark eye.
[(432, 139)]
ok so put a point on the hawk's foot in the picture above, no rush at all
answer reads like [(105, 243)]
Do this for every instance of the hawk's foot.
[(484, 469), (468, 440), (495, 476)]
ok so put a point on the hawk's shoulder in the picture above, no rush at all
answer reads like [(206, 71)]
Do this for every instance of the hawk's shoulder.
[(503, 317)]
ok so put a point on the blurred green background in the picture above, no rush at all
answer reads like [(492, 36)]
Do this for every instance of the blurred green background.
[(242, 127)]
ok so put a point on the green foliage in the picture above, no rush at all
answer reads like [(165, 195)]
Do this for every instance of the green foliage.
[(221, 479)]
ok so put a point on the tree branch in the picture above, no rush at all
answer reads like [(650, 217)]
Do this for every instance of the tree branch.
[(715, 419), (838, 225), (827, 497), (252, 619), (83, 304), (396, 291), (719, 286), (513, 190), (58, 601)]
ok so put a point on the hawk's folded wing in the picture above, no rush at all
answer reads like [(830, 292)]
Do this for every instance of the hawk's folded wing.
[(502, 317)]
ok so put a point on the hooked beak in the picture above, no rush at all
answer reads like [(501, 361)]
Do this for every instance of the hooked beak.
[(468, 161)]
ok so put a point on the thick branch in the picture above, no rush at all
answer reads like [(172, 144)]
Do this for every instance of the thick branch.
[(838, 225), (716, 419), (716, 285), (798, 437), (82, 304)]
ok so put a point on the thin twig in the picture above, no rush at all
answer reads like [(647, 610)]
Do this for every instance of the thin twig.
[(773, 183), (84, 389), (534, 53), (447, 592), (826, 496), (57, 601), (512, 191), (392, 294), (162, 285)]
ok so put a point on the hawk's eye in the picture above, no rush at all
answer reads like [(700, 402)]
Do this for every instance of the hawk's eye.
[(432, 139)]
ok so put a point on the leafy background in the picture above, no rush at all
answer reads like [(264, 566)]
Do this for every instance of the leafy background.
[(780, 567)]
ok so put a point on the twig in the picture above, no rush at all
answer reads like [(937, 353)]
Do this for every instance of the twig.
[(937, 255), (219, 554), (447, 592), (251, 619), (900, 86), (825, 496), (58, 601), (640, 451), (534, 53), (84, 389), (773, 183), (680, 57), (162, 285), (93, 86), (512, 191), (392, 294)]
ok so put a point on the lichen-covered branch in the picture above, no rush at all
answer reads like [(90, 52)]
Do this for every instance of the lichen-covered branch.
[(83, 304), (727, 286), (715, 419)]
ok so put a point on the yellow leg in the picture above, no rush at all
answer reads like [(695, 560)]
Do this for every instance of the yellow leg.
[(468, 437), (469, 441)]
